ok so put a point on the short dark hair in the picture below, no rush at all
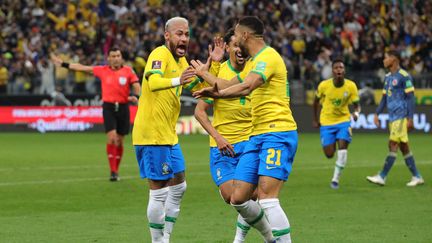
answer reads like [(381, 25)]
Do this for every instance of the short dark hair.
[(393, 53), (228, 35), (253, 23), (114, 49), (337, 60)]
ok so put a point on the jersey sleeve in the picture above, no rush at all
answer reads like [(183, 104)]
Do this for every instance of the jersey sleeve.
[(98, 71), (208, 100), (263, 68), (157, 62), (384, 90), (195, 85), (133, 78), (408, 85)]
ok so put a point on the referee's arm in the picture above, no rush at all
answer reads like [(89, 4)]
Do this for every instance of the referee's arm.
[(72, 66)]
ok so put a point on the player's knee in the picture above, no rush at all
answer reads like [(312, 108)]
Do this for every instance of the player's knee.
[(237, 199), (159, 195), (178, 190), (226, 196)]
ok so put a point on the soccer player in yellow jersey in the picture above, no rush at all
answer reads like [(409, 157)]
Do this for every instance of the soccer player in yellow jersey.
[(230, 130), (335, 95), (267, 159), (157, 150)]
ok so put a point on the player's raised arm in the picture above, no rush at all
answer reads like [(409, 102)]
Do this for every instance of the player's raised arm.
[(156, 82), (72, 66), (201, 70), (223, 145)]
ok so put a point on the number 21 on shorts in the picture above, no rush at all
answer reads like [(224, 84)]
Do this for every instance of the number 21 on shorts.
[(273, 157)]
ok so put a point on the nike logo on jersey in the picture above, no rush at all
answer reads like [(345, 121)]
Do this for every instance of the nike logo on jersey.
[(270, 168)]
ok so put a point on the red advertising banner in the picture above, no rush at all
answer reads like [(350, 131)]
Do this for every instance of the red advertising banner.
[(56, 118)]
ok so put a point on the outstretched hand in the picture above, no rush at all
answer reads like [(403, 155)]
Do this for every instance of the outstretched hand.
[(199, 67), (212, 92), (187, 75), (376, 120), (133, 99), (216, 53)]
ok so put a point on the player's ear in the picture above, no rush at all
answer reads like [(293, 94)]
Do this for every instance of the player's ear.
[(166, 35)]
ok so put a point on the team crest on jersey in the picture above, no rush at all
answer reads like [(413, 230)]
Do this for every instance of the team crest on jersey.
[(394, 82), (218, 173), (156, 64), (122, 80), (165, 168), (336, 102)]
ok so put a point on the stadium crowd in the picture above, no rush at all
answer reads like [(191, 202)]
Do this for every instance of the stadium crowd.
[(308, 33)]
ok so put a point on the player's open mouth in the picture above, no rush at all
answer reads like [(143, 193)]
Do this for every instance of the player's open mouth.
[(181, 50), (239, 57)]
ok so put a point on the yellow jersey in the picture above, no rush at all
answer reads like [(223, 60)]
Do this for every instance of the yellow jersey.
[(335, 101), (158, 111), (232, 117), (270, 102)]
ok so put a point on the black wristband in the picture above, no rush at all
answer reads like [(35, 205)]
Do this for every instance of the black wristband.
[(137, 96), (65, 64)]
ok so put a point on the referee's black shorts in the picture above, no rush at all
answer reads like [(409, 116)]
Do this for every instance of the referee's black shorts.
[(116, 117)]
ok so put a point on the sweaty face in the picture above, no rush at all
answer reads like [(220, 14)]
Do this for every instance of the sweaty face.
[(177, 36), (388, 60), (115, 59), (235, 52), (338, 70), (239, 39)]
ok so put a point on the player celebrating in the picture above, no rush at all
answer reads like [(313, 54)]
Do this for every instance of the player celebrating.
[(269, 154), (398, 96), (232, 126), (116, 80), (335, 95), (157, 150)]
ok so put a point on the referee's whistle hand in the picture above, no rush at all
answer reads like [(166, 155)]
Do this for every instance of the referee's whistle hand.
[(133, 99)]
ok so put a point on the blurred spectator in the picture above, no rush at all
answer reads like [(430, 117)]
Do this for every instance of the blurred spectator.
[(367, 95), (4, 77), (46, 69)]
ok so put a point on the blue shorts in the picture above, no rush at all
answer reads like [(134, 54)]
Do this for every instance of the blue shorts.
[(159, 162), (268, 154), (222, 168), (329, 134)]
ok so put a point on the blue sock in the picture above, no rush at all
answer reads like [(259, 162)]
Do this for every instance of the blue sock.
[(389, 161), (409, 161)]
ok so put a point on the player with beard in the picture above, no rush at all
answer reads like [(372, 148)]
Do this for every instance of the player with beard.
[(335, 95), (268, 156), (158, 153), (116, 80), (229, 131)]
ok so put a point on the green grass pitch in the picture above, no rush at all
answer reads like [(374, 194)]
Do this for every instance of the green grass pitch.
[(54, 188)]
